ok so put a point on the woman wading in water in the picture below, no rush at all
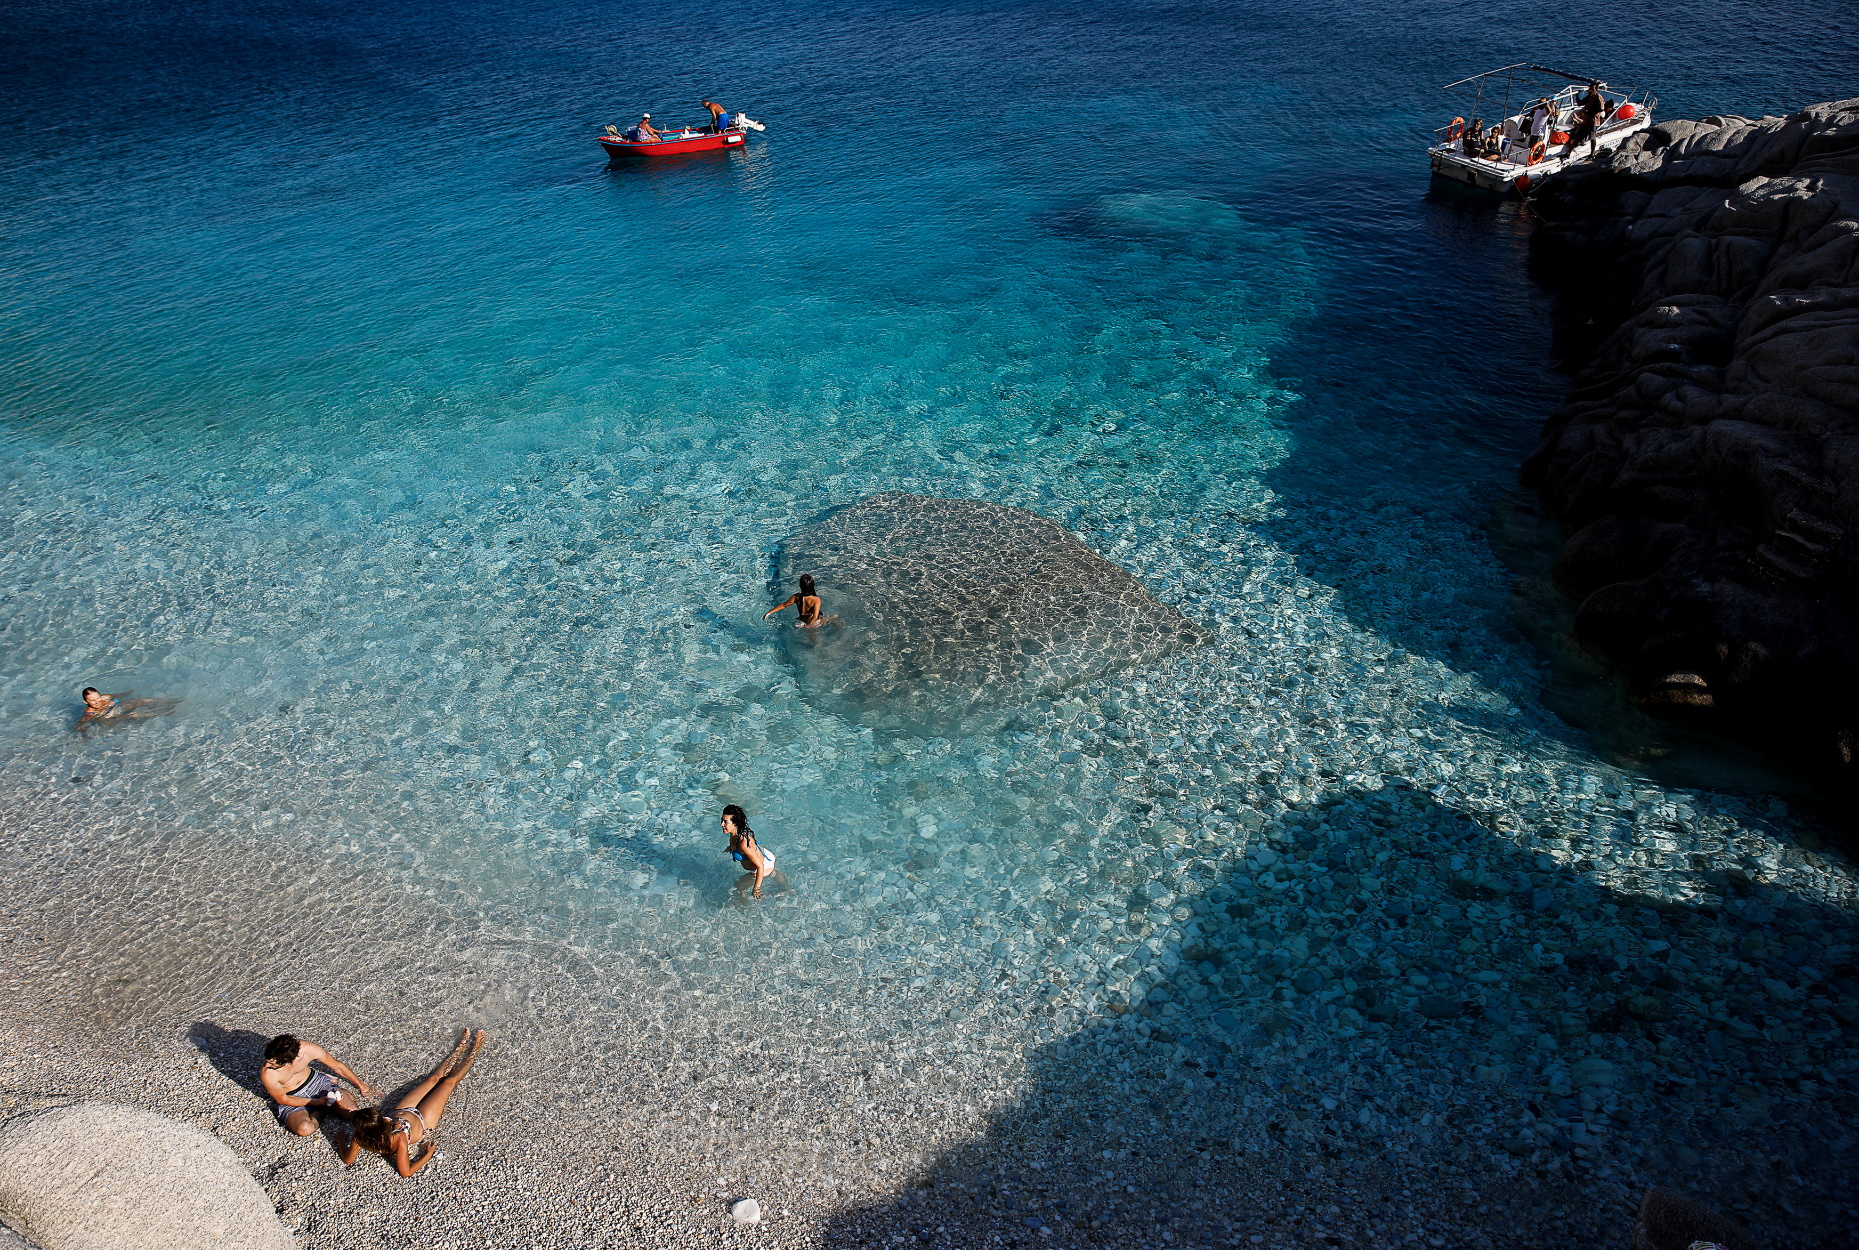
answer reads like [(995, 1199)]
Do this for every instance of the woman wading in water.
[(807, 605), (415, 1119), (745, 850)]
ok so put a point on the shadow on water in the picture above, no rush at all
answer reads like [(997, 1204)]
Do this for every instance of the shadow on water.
[(1416, 1000), (1424, 378), (1591, 694)]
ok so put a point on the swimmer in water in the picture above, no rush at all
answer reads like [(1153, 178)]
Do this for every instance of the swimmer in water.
[(807, 603), (100, 706), (752, 855)]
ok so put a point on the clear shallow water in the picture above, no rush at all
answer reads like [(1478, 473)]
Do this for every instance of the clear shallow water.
[(352, 398)]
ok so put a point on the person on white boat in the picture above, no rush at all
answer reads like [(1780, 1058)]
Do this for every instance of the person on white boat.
[(1588, 113), (643, 132), (1474, 140), (1539, 123)]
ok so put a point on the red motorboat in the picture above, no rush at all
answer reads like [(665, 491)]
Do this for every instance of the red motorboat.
[(676, 143)]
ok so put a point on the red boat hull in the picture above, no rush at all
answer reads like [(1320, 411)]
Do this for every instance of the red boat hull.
[(672, 147)]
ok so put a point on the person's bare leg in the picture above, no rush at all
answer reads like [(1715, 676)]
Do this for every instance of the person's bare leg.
[(301, 1122), (413, 1096), (432, 1106)]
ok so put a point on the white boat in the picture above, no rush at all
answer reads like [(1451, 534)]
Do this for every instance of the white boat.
[(1498, 155)]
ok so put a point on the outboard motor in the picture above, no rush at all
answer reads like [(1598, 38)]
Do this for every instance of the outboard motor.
[(745, 122)]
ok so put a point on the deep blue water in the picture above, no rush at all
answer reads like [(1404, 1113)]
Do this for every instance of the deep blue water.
[(350, 395)]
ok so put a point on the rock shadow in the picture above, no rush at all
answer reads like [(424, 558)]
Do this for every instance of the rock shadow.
[(1381, 1016), (1413, 414)]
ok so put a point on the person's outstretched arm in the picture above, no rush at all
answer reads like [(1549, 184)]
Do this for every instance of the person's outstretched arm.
[(349, 1152), (339, 1068), (785, 603)]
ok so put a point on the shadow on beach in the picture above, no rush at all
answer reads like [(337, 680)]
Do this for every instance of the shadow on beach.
[(1483, 1045), (236, 1054)]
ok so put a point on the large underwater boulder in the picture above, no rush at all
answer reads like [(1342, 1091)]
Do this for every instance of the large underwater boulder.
[(93, 1176), (951, 607)]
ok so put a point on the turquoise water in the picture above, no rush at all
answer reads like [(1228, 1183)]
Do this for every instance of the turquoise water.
[(351, 397)]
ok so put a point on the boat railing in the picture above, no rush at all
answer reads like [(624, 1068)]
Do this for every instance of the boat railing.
[(1482, 89), (1564, 106)]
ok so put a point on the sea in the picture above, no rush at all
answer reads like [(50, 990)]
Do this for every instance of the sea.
[(440, 467)]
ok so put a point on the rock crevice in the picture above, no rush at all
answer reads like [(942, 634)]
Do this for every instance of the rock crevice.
[(1707, 460)]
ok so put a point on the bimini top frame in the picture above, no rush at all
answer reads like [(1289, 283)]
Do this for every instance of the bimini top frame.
[(1481, 88)]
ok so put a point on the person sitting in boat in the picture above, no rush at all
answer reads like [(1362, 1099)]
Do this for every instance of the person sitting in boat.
[(719, 118), (1473, 142), (643, 132)]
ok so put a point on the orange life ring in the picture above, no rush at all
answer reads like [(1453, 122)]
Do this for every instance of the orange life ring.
[(1456, 131), (1536, 152)]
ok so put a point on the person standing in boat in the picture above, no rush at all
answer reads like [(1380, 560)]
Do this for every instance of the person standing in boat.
[(719, 117), (1588, 111), (1539, 126)]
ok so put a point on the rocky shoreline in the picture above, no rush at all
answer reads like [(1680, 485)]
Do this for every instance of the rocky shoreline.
[(1706, 463)]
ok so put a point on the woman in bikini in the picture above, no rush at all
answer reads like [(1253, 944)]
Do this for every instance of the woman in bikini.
[(748, 852), (415, 1118), (100, 706), (807, 602)]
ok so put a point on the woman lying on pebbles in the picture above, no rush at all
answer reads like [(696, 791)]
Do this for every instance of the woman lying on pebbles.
[(416, 1118)]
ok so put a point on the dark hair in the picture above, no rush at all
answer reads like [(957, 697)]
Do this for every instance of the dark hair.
[(373, 1130), (734, 811), (806, 584), (88, 690), (282, 1048)]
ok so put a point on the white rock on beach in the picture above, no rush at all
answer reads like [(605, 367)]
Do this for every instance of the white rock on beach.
[(93, 1175), (748, 1211)]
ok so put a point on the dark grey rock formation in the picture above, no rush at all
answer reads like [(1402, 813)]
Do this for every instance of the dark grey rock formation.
[(1670, 1221), (1707, 461), (955, 606)]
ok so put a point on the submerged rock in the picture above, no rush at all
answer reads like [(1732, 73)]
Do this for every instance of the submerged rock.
[(1704, 463), (92, 1174), (953, 606)]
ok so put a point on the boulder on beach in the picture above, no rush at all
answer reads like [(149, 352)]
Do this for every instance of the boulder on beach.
[(1707, 462), (91, 1176), (955, 606)]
